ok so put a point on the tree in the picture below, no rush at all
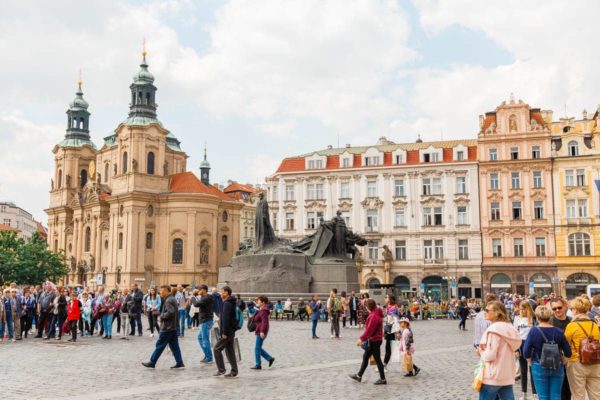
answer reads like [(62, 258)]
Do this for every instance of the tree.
[(29, 261)]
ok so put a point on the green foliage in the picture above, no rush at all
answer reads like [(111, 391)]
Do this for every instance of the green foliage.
[(28, 261)]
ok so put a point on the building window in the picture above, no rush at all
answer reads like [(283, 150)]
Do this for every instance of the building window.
[(373, 250), (432, 186), (516, 210), (515, 180), (315, 164), (224, 244), (514, 153), (431, 157), (149, 240), (177, 257), (125, 162), (106, 169), (373, 160), (538, 209), (460, 155), (399, 187), (274, 193), (496, 247), (535, 152), (518, 247), (59, 179), (428, 250), (289, 193), (571, 209), (345, 190), (575, 177), (313, 219), (120, 240), (88, 239), (580, 177), (494, 183), (570, 177), (314, 191), (582, 208), (495, 211), (225, 216), (150, 163), (537, 179), (573, 148), (289, 221), (432, 216), (579, 244), (462, 215), (399, 159), (345, 162), (400, 250), (433, 250), (493, 154), (461, 184), (371, 188), (540, 247), (372, 221), (399, 219), (463, 249)]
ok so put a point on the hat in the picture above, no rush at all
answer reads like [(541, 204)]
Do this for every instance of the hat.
[(404, 319), (203, 287)]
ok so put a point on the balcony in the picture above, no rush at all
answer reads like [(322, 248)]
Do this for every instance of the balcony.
[(579, 221), (434, 261)]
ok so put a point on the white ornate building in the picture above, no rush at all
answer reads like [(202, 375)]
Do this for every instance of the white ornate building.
[(419, 199)]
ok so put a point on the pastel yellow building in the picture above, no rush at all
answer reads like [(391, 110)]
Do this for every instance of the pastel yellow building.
[(576, 168)]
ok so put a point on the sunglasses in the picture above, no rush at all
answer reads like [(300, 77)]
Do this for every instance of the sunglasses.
[(557, 308), (488, 310)]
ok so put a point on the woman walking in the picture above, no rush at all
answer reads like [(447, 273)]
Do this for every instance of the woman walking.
[(153, 308), (523, 323), (370, 341), (463, 313), (362, 310), (108, 305), (316, 306), (407, 346), (261, 321), (345, 308), (390, 326), (548, 381), (497, 351), (583, 378), (73, 315)]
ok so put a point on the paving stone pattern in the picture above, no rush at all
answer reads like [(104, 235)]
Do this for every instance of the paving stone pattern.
[(304, 368)]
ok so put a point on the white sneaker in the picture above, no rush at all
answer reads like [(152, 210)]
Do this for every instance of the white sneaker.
[(152, 335), (331, 336)]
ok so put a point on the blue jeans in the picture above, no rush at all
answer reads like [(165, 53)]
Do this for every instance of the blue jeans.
[(258, 351), (8, 324), (204, 339), (107, 320), (314, 327), (181, 322), (548, 383), (167, 339), (489, 392)]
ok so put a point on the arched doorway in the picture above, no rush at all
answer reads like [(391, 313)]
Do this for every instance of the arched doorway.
[(373, 283), (542, 283), (500, 283), (435, 287), (402, 284), (577, 283), (464, 288)]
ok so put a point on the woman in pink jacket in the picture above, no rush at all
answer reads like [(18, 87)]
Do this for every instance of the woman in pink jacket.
[(497, 350)]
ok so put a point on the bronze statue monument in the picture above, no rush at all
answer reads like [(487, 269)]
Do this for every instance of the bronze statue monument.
[(264, 236)]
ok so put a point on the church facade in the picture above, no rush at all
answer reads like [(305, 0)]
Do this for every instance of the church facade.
[(130, 211)]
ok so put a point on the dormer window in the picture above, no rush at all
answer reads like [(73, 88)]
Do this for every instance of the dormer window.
[(573, 148), (372, 160), (460, 155), (315, 164), (399, 159), (431, 157), (345, 162)]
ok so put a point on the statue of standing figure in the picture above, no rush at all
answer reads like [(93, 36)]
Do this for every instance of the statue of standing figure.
[(264, 234)]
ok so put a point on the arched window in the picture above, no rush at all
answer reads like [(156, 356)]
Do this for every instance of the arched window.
[(80, 123), (573, 148), (149, 238), (402, 284), (579, 244), (139, 98), (177, 251), (83, 178), (150, 163), (373, 283), (120, 240), (60, 178), (106, 167), (125, 162), (88, 239), (224, 242), (148, 98)]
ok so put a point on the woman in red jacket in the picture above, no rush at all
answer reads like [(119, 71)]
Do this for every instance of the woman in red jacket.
[(261, 321), (73, 315), (370, 341)]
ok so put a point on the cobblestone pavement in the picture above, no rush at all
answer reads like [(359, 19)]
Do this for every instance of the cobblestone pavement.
[(304, 368)]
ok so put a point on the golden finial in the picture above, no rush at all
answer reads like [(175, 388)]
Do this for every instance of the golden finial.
[(144, 52), (79, 81)]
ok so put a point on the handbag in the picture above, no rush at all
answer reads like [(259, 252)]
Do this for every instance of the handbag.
[(251, 325), (407, 363), (478, 376), (155, 313), (66, 327), (365, 345)]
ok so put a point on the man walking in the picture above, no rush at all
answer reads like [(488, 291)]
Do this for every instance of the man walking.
[(46, 303), (169, 323), (335, 308), (135, 310), (181, 300), (227, 325), (353, 309), (205, 304)]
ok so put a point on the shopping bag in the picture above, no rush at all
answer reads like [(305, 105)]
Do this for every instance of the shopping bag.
[(478, 376), (395, 352), (407, 363), (372, 360)]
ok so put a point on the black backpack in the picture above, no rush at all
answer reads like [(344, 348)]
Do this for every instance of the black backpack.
[(550, 357)]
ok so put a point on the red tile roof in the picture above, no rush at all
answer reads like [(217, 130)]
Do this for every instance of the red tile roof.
[(537, 115), (187, 182), (292, 164), (7, 228), (489, 118), (238, 187), (41, 230)]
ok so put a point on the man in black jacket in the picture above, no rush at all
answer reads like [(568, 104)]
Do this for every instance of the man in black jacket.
[(169, 323), (228, 324), (135, 309), (205, 304)]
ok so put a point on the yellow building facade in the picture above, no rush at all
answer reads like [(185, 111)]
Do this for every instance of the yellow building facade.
[(576, 169)]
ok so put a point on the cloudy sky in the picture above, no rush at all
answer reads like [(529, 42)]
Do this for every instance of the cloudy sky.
[(262, 80)]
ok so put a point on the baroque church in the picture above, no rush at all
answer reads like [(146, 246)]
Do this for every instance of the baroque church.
[(129, 211)]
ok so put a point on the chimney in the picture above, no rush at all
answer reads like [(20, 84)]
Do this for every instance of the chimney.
[(329, 146), (481, 120), (348, 145)]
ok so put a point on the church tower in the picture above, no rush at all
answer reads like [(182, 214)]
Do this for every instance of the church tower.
[(143, 92), (205, 169)]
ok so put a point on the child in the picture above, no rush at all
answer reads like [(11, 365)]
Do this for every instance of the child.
[(407, 346)]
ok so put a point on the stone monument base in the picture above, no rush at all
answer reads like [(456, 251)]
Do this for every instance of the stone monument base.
[(342, 276)]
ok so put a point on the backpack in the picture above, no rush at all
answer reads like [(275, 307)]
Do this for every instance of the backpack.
[(251, 325), (337, 305), (239, 317), (589, 348), (550, 357)]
